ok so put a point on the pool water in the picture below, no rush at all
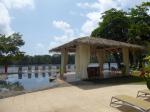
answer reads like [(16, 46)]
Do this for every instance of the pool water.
[(33, 81)]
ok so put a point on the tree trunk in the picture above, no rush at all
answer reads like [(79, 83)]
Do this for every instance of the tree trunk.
[(6, 68)]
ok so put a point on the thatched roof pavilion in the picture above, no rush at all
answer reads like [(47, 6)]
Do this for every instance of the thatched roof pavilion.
[(101, 42), (84, 48)]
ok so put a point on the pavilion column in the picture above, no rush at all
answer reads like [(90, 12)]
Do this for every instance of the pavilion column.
[(82, 60), (101, 59), (64, 61), (125, 52), (77, 62)]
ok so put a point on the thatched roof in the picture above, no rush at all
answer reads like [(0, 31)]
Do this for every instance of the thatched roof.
[(99, 42)]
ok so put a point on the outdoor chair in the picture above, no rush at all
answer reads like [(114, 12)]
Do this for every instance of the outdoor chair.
[(143, 93), (125, 100)]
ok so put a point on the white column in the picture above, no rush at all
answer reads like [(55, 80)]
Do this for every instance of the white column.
[(125, 52), (64, 61), (83, 55)]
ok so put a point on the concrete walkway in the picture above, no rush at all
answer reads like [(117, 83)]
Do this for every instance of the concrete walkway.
[(70, 98)]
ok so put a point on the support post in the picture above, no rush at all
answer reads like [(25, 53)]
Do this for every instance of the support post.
[(64, 61), (101, 59), (134, 56), (82, 60), (125, 52), (77, 62)]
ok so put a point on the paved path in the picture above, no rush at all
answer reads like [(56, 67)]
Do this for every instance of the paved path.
[(86, 98)]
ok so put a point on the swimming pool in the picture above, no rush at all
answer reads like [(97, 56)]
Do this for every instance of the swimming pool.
[(33, 81)]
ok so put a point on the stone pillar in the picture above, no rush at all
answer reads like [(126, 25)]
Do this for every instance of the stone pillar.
[(64, 61), (125, 52), (101, 58), (82, 60)]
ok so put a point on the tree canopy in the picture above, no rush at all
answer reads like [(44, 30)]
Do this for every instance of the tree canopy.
[(139, 30), (132, 26), (114, 25), (10, 47)]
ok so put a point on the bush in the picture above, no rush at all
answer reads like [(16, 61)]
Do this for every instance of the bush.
[(145, 71)]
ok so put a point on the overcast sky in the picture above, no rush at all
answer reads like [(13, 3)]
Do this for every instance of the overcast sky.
[(45, 24)]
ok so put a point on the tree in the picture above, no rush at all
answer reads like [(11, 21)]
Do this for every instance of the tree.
[(139, 30), (113, 26), (132, 26), (9, 48)]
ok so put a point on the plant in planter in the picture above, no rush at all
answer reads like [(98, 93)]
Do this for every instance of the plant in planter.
[(145, 71)]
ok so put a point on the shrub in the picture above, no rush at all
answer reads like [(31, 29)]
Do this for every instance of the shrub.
[(145, 71)]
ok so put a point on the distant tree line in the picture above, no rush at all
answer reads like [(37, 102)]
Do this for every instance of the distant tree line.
[(41, 59)]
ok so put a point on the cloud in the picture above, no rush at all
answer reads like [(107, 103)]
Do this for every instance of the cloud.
[(99, 5), (18, 4), (5, 18), (64, 26), (61, 24), (85, 5), (92, 22), (126, 4), (68, 33)]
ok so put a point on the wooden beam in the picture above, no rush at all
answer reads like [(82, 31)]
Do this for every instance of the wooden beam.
[(77, 62), (125, 52)]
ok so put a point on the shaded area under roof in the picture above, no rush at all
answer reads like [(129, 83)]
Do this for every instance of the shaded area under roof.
[(98, 42)]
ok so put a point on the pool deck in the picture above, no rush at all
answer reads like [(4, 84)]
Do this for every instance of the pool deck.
[(71, 98)]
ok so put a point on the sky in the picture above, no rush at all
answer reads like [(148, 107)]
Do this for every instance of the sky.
[(45, 24)]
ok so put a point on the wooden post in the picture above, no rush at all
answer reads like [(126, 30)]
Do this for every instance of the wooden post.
[(134, 56), (64, 61), (125, 52), (77, 62)]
